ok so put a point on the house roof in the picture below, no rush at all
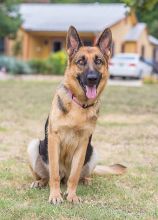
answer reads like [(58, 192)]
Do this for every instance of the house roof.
[(58, 17), (135, 32), (153, 40)]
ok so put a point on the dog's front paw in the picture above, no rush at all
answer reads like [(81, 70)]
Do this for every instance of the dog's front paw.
[(73, 198), (55, 199)]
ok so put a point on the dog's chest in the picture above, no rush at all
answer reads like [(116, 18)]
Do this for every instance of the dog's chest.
[(69, 141), (71, 129), (78, 119)]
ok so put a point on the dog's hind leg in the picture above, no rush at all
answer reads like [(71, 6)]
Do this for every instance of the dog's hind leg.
[(38, 167), (91, 167), (88, 168)]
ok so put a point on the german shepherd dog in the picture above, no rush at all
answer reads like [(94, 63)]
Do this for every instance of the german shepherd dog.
[(66, 153)]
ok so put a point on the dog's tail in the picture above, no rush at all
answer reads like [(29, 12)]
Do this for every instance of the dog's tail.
[(33, 152), (116, 169)]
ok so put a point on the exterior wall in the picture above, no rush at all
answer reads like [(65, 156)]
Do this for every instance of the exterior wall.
[(11, 43), (143, 41), (40, 45), (8, 48), (119, 32), (142, 46)]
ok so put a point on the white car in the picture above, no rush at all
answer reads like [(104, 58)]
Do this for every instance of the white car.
[(128, 65)]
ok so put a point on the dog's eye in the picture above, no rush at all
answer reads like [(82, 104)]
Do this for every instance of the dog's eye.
[(81, 62), (98, 61)]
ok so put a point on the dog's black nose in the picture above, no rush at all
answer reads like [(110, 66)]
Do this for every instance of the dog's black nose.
[(92, 77)]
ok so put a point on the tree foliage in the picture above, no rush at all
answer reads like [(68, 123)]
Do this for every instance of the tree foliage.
[(145, 5), (147, 11), (149, 15), (10, 19)]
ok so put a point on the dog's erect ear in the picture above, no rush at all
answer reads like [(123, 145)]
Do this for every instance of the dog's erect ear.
[(104, 42), (73, 42)]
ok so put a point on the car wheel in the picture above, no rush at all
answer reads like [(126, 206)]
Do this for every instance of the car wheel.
[(124, 77)]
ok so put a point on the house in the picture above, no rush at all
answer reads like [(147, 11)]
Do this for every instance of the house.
[(44, 29)]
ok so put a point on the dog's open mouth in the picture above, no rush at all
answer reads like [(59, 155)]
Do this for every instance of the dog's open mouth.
[(91, 92), (89, 83)]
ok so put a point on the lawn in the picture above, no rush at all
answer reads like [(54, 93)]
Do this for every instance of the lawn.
[(126, 133)]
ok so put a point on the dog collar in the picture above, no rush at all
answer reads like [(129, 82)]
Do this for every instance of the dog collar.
[(77, 101)]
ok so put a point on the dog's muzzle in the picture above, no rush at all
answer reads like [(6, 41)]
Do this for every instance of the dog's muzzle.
[(92, 78), (89, 82)]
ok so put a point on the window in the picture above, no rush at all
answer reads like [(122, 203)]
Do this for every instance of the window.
[(57, 46), (2, 45)]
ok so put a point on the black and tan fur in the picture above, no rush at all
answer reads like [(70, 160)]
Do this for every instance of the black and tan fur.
[(66, 153)]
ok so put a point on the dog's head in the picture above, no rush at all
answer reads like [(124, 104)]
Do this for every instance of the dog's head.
[(87, 70)]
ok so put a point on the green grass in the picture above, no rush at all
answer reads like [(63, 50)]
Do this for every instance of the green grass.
[(127, 133)]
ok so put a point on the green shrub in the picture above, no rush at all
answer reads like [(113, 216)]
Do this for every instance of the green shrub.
[(14, 66), (38, 66), (7, 63), (56, 62)]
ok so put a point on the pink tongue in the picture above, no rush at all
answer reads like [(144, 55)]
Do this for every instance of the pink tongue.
[(91, 92)]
